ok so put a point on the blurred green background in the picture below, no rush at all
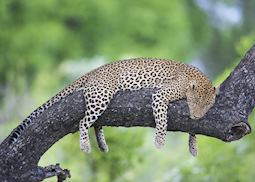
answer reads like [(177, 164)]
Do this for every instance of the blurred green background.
[(44, 45)]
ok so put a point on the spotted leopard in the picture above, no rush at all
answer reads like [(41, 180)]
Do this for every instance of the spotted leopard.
[(172, 79)]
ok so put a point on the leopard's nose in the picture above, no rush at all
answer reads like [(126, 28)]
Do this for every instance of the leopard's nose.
[(194, 117)]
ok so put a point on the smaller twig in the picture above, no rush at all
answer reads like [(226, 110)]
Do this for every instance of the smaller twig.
[(55, 170)]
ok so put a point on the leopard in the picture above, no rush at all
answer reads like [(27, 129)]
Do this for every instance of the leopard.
[(172, 80)]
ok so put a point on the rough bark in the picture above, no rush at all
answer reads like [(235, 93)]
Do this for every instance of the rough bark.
[(226, 120)]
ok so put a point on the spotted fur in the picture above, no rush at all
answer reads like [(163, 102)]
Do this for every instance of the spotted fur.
[(193, 145), (173, 80)]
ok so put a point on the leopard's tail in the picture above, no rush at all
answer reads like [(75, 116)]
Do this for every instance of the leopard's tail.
[(62, 94)]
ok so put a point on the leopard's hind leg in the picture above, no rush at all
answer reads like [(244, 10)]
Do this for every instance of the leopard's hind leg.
[(96, 101)]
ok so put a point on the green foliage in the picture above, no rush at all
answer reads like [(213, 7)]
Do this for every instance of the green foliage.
[(98, 166), (241, 48), (39, 34), (245, 43)]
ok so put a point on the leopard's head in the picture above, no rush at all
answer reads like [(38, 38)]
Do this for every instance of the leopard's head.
[(200, 96)]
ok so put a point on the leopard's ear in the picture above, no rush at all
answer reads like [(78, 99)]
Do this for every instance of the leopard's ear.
[(192, 85), (216, 90)]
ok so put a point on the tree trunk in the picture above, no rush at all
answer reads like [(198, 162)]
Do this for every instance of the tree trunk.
[(226, 120)]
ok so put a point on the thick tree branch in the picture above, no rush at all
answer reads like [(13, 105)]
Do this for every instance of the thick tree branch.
[(227, 120)]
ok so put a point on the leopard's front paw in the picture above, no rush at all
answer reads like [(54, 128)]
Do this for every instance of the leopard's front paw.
[(85, 146), (104, 148), (193, 145), (159, 141)]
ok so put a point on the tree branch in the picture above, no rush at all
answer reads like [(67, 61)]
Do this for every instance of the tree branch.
[(226, 120)]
